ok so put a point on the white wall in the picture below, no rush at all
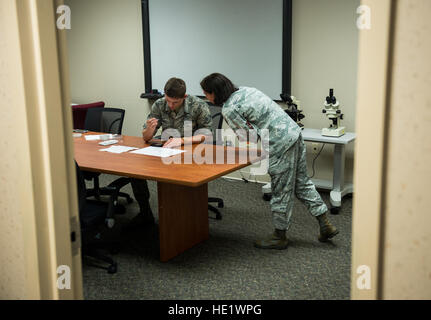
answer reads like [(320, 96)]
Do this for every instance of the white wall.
[(325, 54), (106, 62), (106, 57)]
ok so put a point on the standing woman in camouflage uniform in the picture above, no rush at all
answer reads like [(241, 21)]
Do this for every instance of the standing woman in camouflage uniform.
[(249, 109)]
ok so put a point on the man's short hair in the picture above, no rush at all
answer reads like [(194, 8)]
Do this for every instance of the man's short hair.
[(175, 88)]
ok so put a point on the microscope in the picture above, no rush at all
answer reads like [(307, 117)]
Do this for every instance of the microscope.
[(333, 112), (293, 108)]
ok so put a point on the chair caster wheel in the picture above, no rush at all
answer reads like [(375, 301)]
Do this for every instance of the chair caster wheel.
[(267, 197), (112, 269), (335, 210)]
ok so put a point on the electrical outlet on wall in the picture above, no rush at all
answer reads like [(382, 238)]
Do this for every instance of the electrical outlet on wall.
[(315, 147)]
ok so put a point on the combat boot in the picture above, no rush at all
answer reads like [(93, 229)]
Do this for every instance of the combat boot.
[(327, 230), (277, 241)]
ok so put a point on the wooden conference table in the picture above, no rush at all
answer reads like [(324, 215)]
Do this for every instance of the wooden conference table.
[(182, 188)]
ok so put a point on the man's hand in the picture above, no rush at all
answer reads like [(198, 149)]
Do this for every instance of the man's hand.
[(173, 143), (151, 126), (152, 123)]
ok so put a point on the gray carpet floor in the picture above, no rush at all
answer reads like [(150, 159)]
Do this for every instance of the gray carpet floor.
[(227, 266)]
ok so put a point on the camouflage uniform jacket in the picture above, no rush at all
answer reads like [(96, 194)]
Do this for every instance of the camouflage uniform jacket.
[(194, 109), (250, 109)]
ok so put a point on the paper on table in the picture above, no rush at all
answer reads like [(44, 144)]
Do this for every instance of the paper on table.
[(100, 136), (158, 152), (92, 137), (118, 149)]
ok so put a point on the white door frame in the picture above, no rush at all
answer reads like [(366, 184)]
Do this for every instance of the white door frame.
[(42, 71), (45, 83), (375, 52)]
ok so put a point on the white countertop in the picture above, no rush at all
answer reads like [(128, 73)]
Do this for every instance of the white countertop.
[(316, 135)]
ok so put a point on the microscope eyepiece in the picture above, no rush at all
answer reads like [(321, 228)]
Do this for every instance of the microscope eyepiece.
[(286, 98), (331, 99)]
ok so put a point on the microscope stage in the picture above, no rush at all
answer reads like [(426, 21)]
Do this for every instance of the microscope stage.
[(333, 132)]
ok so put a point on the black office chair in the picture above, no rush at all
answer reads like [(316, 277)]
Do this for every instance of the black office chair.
[(108, 120), (217, 123), (92, 215)]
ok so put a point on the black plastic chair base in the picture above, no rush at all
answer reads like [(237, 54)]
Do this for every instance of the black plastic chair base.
[(125, 195), (98, 260), (113, 189), (117, 185), (107, 191), (220, 204), (216, 211)]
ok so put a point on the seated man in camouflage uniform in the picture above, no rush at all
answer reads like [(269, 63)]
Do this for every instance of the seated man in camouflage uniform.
[(171, 112)]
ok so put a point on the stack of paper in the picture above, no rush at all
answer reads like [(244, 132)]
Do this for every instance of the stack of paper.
[(158, 152), (118, 149), (92, 137)]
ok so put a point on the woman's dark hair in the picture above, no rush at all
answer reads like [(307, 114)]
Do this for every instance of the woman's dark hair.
[(221, 86)]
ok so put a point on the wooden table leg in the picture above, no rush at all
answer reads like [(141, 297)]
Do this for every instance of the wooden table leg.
[(183, 218)]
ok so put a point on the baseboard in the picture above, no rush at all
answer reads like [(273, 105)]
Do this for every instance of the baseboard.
[(241, 179)]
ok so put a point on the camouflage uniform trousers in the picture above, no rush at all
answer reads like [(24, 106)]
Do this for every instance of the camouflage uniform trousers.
[(141, 193), (294, 181)]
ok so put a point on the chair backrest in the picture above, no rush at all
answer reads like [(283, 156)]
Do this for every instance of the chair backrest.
[(91, 215), (217, 123), (82, 191), (79, 112), (109, 120)]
